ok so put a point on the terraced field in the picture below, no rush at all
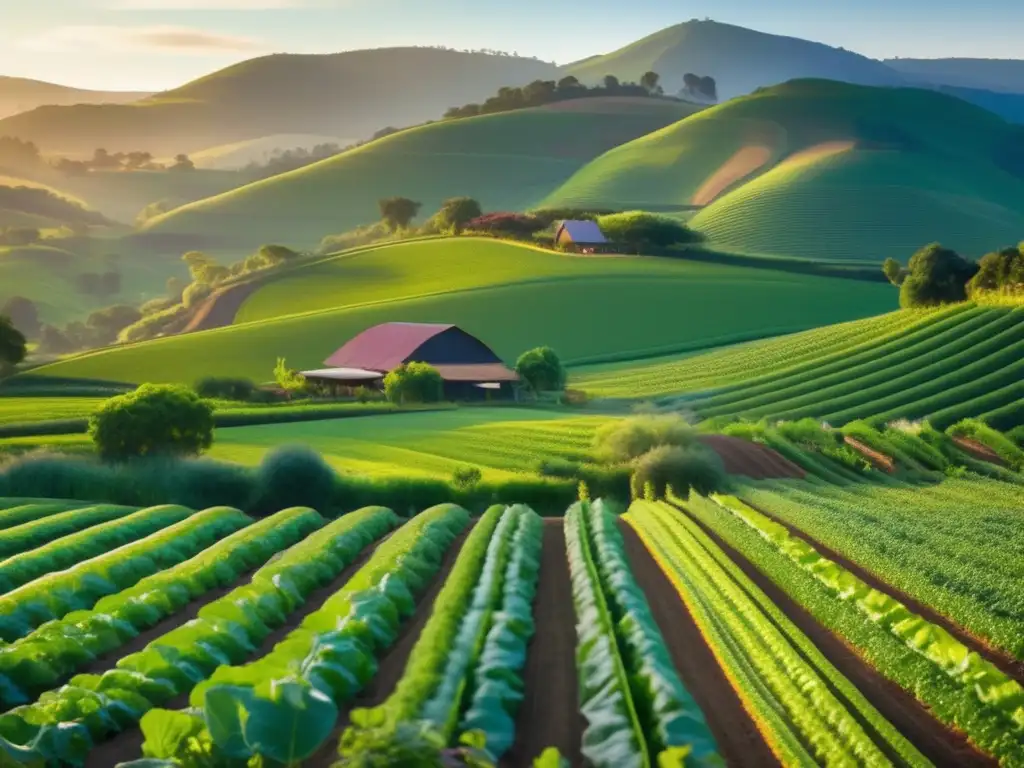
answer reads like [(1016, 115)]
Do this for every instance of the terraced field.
[(301, 640), (478, 284), (946, 365)]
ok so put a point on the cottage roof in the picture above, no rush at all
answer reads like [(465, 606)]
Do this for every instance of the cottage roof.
[(582, 232), (384, 347)]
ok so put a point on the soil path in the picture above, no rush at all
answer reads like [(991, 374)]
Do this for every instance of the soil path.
[(392, 666), (1003, 661), (549, 715), (742, 457), (878, 459), (979, 450), (127, 745), (221, 308), (739, 740), (911, 718)]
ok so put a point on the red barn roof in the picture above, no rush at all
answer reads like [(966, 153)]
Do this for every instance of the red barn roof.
[(385, 347)]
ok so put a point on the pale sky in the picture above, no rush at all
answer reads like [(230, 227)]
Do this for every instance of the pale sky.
[(158, 44)]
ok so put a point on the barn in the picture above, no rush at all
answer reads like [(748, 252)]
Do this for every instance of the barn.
[(581, 237), (470, 369)]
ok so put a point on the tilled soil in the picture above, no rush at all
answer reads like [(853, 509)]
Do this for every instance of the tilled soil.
[(549, 715), (753, 460), (392, 666), (739, 740), (878, 459), (127, 745), (911, 718), (979, 450), (1010, 666)]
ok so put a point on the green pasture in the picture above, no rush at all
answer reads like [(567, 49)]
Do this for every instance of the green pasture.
[(29, 410)]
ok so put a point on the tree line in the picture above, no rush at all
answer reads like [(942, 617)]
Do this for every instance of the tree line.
[(938, 275)]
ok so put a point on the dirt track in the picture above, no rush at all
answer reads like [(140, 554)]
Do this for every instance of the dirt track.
[(220, 309), (739, 741), (128, 744), (392, 666), (979, 451), (753, 460), (911, 718), (1002, 660), (549, 715)]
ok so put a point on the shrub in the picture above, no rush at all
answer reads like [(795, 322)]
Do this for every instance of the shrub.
[(466, 477), (414, 383), (151, 326), (627, 439), (353, 238), (548, 216), (541, 370), (936, 275), (294, 476), (455, 213), (154, 420), (558, 467), (638, 230), (679, 469), (215, 388), (517, 225)]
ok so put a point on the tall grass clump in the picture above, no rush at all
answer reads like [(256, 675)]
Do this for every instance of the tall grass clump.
[(294, 476), (678, 469), (627, 439)]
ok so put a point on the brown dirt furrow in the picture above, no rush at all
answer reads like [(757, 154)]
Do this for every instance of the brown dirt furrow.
[(878, 459), (912, 719), (742, 457), (127, 745), (549, 715), (979, 450), (392, 666), (1003, 661), (739, 740)]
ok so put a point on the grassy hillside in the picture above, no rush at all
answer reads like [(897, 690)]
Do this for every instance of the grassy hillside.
[(513, 297), (986, 74), (739, 59), (506, 161), (821, 169), (346, 94), (944, 364), (228, 157), (18, 94)]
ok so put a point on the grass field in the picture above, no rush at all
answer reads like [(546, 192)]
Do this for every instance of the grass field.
[(824, 170), (945, 365), (588, 310), (508, 161), (26, 410)]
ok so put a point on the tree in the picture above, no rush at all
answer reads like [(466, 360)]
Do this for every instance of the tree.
[(272, 255), (154, 420), (287, 378), (24, 315), (455, 213), (709, 87), (107, 323), (204, 269), (691, 82), (414, 383), (569, 86), (398, 212), (611, 83), (893, 271), (936, 275), (183, 163), (541, 370), (650, 81), (12, 346), (999, 271)]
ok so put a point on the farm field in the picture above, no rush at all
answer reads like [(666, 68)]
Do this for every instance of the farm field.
[(876, 173), (673, 304), (508, 161), (516, 612), (27, 410), (946, 365)]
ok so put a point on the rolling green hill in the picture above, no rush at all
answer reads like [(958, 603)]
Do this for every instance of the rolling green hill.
[(507, 161), (945, 365), (346, 94), (739, 59), (820, 169), (237, 155), (514, 297)]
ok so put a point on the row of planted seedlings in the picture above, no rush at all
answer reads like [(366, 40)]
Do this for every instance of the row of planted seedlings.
[(285, 705), (638, 711), (959, 687), (63, 726), (462, 683), (807, 712)]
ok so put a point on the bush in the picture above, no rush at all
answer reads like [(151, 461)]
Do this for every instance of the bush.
[(541, 370), (466, 477), (414, 383), (515, 225), (454, 214), (215, 388), (679, 469), (638, 230), (154, 420), (294, 476), (558, 467), (936, 275), (627, 439), (353, 238), (548, 216)]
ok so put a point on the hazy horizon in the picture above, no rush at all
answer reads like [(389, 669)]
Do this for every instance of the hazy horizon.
[(159, 44)]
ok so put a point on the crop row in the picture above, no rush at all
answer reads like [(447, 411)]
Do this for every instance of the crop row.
[(64, 724), (806, 710), (638, 711), (15, 512), (285, 705), (48, 655)]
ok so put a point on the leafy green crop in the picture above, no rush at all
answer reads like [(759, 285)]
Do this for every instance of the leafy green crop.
[(14, 512), (29, 535), (53, 651), (63, 724)]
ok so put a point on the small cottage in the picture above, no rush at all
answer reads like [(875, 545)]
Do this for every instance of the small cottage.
[(581, 237)]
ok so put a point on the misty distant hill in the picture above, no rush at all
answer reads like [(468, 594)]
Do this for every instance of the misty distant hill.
[(18, 94), (345, 94), (1006, 75), (741, 60)]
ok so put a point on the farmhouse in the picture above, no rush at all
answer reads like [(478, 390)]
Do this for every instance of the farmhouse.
[(470, 369), (581, 237)]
